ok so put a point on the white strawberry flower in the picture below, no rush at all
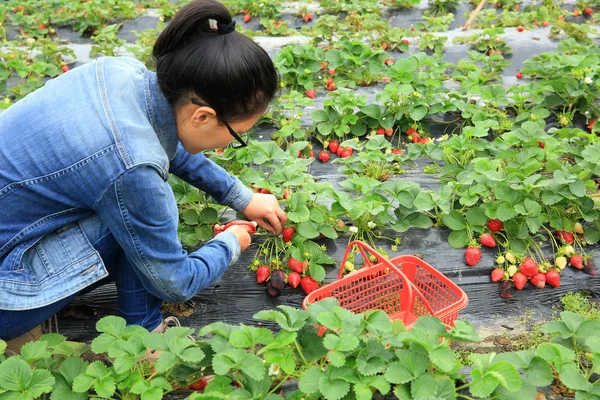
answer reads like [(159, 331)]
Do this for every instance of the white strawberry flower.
[(274, 369), (353, 229), (371, 224), (588, 80)]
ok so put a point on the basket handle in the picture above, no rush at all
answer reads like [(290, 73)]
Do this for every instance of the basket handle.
[(364, 248)]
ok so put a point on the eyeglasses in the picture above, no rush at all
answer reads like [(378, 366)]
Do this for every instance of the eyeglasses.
[(241, 142)]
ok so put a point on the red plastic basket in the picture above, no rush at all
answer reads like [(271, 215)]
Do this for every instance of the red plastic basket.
[(405, 287)]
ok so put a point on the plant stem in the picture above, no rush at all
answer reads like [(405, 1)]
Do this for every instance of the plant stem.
[(300, 352), (279, 384)]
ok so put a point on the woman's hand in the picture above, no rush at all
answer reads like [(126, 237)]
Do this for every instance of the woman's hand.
[(264, 209), (242, 232)]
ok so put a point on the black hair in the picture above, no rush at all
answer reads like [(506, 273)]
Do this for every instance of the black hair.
[(229, 71)]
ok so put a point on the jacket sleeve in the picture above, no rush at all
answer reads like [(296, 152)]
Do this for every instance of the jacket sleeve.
[(140, 210), (199, 171)]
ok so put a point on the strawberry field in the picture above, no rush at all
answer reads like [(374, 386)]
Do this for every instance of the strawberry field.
[(475, 150)]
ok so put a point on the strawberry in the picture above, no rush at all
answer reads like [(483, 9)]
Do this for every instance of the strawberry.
[(405, 41), (528, 267), (473, 254), (510, 257), (276, 284), (340, 151), (497, 275), (331, 72), (424, 140), (247, 18), (565, 236), (286, 193), (520, 28), (308, 17), (520, 280), (312, 153), (294, 279), (333, 146), (288, 233), (347, 152), (519, 75), (506, 288), (265, 191), (588, 11), (41, 26), (396, 151), (309, 284), (200, 384), (389, 132), (388, 61), (560, 262), (591, 124), (589, 267), (545, 23), (539, 280), (321, 330), (487, 240), (311, 93), (262, 273), (569, 251), (553, 278), (495, 225), (541, 144), (329, 81), (65, 68), (410, 131), (415, 137), (380, 131), (331, 87), (324, 156), (576, 261), (323, 65), (296, 265), (578, 228), (512, 270), (384, 46)]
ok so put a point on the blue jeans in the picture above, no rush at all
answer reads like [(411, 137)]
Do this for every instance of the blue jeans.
[(136, 304)]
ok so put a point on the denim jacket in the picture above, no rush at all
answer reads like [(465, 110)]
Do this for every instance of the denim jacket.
[(101, 139)]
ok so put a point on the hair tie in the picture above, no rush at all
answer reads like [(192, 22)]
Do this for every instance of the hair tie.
[(223, 29)]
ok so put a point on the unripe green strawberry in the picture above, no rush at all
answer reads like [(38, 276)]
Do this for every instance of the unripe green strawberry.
[(569, 251), (500, 260), (512, 270), (578, 228), (560, 262), (510, 257)]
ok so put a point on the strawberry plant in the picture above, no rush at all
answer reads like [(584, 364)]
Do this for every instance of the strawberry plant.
[(432, 43), (108, 43)]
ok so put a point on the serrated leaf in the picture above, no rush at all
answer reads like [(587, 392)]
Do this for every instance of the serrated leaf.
[(309, 381), (459, 239), (333, 389), (15, 374), (455, 221), (112, 325)]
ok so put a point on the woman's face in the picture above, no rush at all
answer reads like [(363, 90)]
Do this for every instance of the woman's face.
[(198, 128)]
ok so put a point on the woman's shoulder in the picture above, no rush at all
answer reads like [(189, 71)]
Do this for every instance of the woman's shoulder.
[(123, 64)]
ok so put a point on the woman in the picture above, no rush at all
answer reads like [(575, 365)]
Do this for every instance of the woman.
[(84, 197)]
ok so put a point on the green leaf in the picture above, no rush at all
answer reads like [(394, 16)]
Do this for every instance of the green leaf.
[(309, 381), (508, 375), (426, 387), (165, 362), (459, 239), (573, 379), (577, 188), (333, 389), (464, 331), (192, 355), (83, 383), (112, 325), (430, 324), (15, 374), (33, 351), (483, 383), (455, 221), (572, 320), (378, 322), (249, 336), (409, 366), (418, 112), (42, 381), (538, 373), (252, 366), (341, 343), (105, 387)]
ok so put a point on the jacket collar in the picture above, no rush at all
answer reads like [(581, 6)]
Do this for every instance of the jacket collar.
[(162, 115)]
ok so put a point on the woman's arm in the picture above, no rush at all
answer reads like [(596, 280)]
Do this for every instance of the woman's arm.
[(141, 212), (199, 171)]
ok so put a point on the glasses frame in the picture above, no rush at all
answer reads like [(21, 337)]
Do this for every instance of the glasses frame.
[(237, 137)]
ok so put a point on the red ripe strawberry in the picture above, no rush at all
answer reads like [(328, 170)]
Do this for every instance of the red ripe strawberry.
[(472, 255), (528, 267), (331, 72), (541, 144), (589, 267), (309, 284), (321, 330), (247, 18), (397, 151), (591, 124), (296, 265), (389, 132), (380, 131), (324, 156), (424, 140), (415, 137), (545, 23), (265, 191), (519, 75), (65, 68), (520, 280), (497, 275), (553, 278), (294, 279), (347, 152), (565, 236), (312, 153), (340, 151), (388, 61), (520, 28), (262, 273), (384, 46), (506, 288), (405, 41), (323, 65), (286, 193), (588, 11), (288, 233), (410, 131), (576, 261), (333, 146), (199, 384), (329, 81), (311, 93), (308, 17), (331, 87), (487, 240), (539, 280), (41, 26), (495, 225)]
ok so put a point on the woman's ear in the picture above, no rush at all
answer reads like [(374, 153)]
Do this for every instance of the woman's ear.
[(202, 115)]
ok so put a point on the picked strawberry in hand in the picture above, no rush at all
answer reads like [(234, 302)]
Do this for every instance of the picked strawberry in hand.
[(217, 229)]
